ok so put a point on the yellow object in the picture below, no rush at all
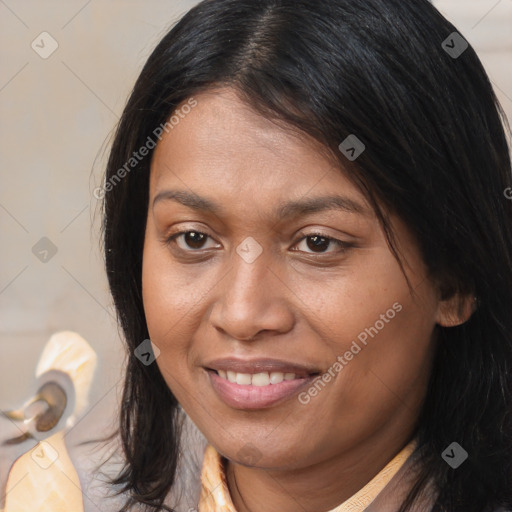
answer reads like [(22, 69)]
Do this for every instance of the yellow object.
[(69, 353), (215, 495), (44, 480)]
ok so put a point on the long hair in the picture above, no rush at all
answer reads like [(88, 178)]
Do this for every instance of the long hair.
[(436, 155)]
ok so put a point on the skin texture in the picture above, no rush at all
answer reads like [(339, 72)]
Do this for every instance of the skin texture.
[(203, 301)]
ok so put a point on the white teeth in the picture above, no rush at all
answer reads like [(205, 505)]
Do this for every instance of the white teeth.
[(243, 378), (256, 379), (276, 377), (261, 379)]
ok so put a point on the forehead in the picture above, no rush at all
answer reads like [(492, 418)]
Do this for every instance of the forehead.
[(222, 147)]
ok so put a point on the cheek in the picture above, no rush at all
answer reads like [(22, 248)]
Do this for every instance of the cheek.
[(174, 298), (359, 302), (378, 338), (172, 293), (385, 364), (166, 300)]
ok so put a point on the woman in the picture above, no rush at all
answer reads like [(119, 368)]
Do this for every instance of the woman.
[(305, 214)]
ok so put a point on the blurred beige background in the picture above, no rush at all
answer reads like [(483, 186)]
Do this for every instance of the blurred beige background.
[(56, 114)]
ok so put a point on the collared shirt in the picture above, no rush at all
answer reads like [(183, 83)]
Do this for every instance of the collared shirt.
[(215, 496)]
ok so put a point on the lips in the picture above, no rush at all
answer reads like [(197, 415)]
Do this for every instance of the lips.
[(253, 366), (257, 383)]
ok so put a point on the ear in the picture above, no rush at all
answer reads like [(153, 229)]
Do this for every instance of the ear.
[(456, 309)]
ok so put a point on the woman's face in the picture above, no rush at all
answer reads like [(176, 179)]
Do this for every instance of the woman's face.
[(284, 284)]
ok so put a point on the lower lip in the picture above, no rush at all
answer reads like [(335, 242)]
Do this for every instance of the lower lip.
[(256, 397)]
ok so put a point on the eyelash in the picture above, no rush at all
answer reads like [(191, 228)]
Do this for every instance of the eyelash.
[(343, 246)]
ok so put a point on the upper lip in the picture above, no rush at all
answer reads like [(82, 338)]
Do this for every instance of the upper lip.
[(260, 365)]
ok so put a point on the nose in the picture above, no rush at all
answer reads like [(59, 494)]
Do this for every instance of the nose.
[(253, 300)]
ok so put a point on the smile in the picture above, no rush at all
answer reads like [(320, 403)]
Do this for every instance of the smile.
[(256, 379), (260, 390)]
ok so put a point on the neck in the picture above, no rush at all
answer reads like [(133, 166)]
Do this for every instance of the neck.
[(321, 486)]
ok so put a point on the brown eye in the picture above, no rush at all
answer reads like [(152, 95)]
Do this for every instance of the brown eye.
[(189, 241), (194, 240), (318, 243)]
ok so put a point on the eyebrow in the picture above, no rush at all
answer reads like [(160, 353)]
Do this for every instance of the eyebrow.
[(305, 206)]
